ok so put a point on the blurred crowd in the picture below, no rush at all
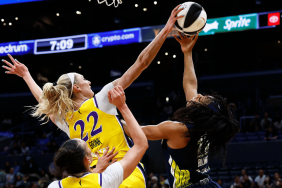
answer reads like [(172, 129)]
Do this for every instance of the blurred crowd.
[(25, 175), (271, 126), (260, 181)]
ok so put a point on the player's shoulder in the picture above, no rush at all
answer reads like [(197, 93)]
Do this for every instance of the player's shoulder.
[(105, 89), (173, 126), (54, 184)]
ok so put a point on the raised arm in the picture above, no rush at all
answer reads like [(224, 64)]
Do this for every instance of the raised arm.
[(190, 84), (133, 156), (21, 70), (148, 54)]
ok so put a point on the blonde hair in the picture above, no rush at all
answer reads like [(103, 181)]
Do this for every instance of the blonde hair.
[(56, 100)]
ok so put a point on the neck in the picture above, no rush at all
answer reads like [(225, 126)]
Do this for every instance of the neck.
[(78, 101)]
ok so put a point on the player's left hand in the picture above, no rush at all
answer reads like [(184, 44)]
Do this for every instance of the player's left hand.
[(104, 161), (116, 96), (186, 43)]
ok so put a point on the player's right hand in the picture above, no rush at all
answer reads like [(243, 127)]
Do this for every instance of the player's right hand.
[(186, 43), (173, 17), (16, 67)]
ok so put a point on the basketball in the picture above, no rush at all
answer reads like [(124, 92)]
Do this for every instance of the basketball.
[(194, 20)]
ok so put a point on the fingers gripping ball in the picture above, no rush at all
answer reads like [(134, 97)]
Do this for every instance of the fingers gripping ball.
[(194, 20)]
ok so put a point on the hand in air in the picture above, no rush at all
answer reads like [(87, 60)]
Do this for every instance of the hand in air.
[(116, 96), (186, 43), (104, 161), (16, 68), (173, 17)]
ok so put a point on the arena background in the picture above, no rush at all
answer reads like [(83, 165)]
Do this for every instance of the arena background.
[(243, 65)]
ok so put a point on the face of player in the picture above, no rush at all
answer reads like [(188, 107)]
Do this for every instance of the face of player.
[(200, 99), (84, 86), (88, 152)]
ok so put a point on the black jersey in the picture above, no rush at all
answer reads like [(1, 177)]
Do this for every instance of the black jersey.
[(185, 166)]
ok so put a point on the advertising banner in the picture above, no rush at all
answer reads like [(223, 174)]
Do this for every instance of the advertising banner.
[(17, 48), (5, 2), (217, 25), (111, 38), (228, 24)]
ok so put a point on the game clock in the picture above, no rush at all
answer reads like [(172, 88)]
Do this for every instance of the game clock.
[(62, 44)]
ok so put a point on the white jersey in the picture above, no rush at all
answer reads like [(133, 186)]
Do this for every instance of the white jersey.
[(103, 103), (112, 177)]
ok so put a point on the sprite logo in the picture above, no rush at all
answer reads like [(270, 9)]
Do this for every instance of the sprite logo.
[(242, 22), (229, 24)]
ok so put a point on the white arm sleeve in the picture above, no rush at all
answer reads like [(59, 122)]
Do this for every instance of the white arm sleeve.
[(103, 101), (112, 177), (54, 184), (64, 127)]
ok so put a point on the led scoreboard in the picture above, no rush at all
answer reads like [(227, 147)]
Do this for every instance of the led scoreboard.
[(61, 44)]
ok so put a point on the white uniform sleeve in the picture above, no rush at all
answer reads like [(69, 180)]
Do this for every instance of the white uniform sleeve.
[(54, 184), (112, 177), (64, 127), (103, 101)]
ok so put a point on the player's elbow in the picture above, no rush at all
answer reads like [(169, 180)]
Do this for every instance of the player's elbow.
[(144, 146), (143, 62)]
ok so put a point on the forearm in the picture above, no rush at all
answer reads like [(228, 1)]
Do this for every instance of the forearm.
[(143, 61), (150, 52), (34, 88), (189, 77)]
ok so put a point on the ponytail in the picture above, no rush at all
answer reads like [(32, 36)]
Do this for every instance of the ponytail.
[(56, 100)]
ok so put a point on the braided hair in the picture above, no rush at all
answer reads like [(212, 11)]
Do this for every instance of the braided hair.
[(213, 121), (70, 157)]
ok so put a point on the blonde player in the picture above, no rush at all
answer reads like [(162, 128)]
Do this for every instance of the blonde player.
[(71, 105), (75, 156)]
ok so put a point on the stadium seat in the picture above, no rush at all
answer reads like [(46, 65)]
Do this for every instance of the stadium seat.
[(223, 173), (251, 134), (226, 178), (235, 172), (261, 133), (253, 138), (213, 173), (241, 139), (272, 171)]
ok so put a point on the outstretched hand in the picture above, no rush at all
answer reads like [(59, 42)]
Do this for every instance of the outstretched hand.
[(104, 161), (173, 17), (15, 67), (186, 43), (116, 96)]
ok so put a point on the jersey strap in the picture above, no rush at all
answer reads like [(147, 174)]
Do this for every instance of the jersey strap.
[(95, 102)]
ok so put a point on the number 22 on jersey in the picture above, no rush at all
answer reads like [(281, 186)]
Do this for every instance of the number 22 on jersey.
[(93, 130)]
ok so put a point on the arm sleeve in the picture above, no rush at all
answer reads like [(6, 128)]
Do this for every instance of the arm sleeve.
[(112, 177), (54, 184), (103, 101), (63, 126)]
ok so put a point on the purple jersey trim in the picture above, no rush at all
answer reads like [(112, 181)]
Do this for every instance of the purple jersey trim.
[(101, 179), (59, 184), (96, 102), (140, 167), (128, 141)]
